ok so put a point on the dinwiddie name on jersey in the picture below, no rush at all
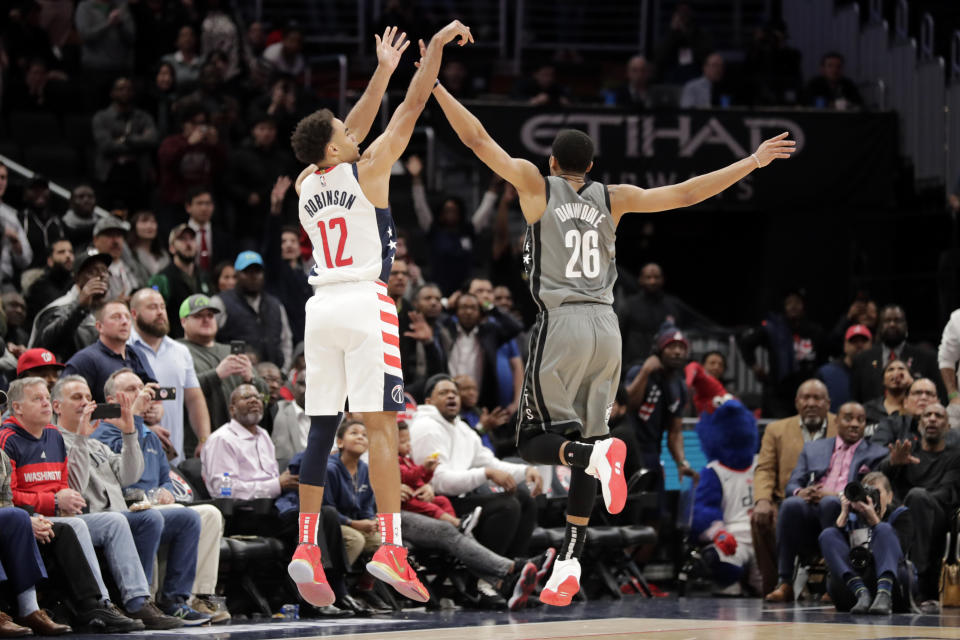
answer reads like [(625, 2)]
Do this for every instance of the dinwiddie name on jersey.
[(329, 198), (579, 211)]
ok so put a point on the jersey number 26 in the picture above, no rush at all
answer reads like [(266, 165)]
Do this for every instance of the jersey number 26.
[(586, 251), (339, 260)]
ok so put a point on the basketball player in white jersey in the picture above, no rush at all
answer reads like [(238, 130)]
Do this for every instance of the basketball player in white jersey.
[(351, 343), (574, 366)]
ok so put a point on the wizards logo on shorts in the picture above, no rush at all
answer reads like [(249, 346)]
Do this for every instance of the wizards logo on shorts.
[(397, 394)]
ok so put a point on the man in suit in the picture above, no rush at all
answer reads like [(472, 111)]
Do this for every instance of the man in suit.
[(866, 381), (213, 245), (824, 468), (782, 442)]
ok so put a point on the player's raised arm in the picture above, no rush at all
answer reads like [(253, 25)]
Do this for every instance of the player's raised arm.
[(625, 198), (390, 48), (521, 173), (387, 149)]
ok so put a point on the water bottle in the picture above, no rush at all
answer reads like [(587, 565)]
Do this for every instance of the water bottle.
[(226, 486)]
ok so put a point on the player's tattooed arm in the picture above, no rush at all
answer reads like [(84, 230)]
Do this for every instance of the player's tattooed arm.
[(390, 48), (625, 198)]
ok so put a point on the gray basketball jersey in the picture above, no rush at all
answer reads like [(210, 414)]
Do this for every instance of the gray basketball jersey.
[(569, 254)]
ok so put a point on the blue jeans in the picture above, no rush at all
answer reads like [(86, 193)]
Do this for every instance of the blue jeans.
[(798, 529), (181, 532), (110, 531)]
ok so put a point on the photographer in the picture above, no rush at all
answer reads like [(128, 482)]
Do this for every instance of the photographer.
[(864, 550), (823, 469)]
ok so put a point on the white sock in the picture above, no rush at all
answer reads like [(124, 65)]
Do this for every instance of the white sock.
[(27, 601)]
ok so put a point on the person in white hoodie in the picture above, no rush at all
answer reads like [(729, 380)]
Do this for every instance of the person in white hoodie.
[(470, 475)]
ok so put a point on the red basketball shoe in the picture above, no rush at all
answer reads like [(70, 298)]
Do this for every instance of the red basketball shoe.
[(307, 572), (389, 564)]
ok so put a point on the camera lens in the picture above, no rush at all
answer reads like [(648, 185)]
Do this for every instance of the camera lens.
[(854, 492)]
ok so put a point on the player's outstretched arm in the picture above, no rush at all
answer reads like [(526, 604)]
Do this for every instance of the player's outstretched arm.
[(390, 48), (625, 198), (387, 148), (521, 173)]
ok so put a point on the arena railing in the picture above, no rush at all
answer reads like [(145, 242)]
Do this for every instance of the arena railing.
[(55, 188), (907, 65), (309, 78)]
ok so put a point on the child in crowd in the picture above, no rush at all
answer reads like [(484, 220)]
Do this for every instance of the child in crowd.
[(348, 490), (418, 494)]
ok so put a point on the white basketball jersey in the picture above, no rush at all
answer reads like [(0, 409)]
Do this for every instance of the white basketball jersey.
[(353, 241), (737, 497)]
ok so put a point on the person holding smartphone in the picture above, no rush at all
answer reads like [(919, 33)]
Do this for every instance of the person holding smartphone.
[(220, 367), (100, 475)]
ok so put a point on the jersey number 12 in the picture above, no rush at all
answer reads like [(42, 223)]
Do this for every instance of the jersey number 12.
[(586, 251), (339, 260)]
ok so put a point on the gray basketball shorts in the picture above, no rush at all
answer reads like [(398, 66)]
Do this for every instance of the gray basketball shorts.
[(572, 372)]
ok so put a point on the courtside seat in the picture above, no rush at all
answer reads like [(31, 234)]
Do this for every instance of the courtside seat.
[(245, 555), (633, 535)]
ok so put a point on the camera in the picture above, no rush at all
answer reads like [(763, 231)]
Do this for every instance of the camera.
[(238, 347), (856, 492), (861, 558)]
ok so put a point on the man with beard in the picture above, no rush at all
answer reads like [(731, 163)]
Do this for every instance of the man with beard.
[(56, 280), (905, 426), (174, 368), (927, 479), (782, 443), (67, 324), (180, 279), (244, 450), (111, 352), (80, 218), (41, 225), (866, 382)]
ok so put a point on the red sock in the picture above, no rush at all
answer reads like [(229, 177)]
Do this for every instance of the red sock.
[(308, 527), (390, 528)]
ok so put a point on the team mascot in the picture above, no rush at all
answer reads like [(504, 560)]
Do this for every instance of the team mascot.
[(724, 495)]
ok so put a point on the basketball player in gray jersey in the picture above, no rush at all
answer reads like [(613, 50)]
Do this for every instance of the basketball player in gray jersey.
[(574, 364)]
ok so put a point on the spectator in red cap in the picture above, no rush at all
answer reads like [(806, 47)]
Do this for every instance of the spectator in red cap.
[(39, 363), (836, 373)]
